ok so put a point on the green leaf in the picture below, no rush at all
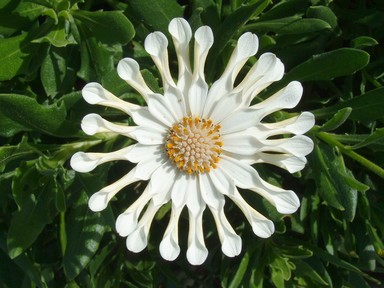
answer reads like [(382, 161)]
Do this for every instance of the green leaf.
[(85, 230), (155, 14), (108, 27), (337, 120), (283, 9), (56, 76), (306, 271), (96, 60), (16, 54), (366, 107), (10, 153), (16, 15), (21, 263), (303, 26), (364, 41), (241, 270), (329, 65), (56, 34), (33, 194), (324, 13), (29, 115), (324, 176)]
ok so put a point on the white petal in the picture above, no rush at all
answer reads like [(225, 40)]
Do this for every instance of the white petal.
[(161, 183), (148, 136), (86, 162), (161, 109), (181, 188), (100, 200), (286, 98), (141, 152), (181, 34), (169, 246), (126, 222), (289, 162), (129, 70), (181, 31), (231, 243), (94, 93), (239, 120), (298, 145), (285, 201), (197, 95), (241, 143), (247, 46), (295, 125), (227, 105), (197, 253), (156, 45), (261, 226), (246, 177), (203, 42), (222, 182), (146, 167), (177, 101), (266, 70), (138, 239), (144, 118), (198, 91), (93, 123)]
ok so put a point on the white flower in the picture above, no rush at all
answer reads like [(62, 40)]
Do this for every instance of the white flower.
[(196, 144)]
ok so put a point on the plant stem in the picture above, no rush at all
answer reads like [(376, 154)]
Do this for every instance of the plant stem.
[(328, 138)]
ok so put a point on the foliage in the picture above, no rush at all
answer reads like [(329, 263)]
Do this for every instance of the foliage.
[(50, 48)]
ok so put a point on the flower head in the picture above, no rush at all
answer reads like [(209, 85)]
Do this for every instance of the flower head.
[(196, 143)]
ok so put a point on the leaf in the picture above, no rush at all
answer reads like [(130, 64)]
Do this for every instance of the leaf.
[(33, 194), (338, 119), (329, 65), (323, 176), (16, 15), (108, 27), (366, 107), (324, 13), (22, 263), (285, 9), (304, 26), (56, 34), (29, 115), (96, 60), (364, 41), (16, 54), (241, 270), (10, 153), (155, 14), (305, 270), (56, 76), (85, 230)]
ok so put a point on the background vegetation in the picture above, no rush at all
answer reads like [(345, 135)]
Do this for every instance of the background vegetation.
[(49, 49)]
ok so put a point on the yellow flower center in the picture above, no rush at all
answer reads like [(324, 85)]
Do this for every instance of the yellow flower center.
[(194, 145)]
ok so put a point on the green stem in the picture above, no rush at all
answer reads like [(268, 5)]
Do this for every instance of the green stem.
[(328, 138), (63, 233)]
